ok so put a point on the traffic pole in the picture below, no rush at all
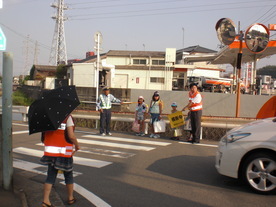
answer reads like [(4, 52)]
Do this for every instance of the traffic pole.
[(239, 61), (7, 120)]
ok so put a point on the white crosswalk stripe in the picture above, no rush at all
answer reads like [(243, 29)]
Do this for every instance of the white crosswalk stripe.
[(77, 160), (138, 141)]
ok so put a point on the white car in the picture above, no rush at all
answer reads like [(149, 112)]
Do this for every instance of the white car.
[(249, 152)]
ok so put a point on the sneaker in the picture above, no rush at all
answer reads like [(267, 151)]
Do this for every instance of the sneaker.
[(102, 134), (155, 136), (142, 134), (138, 134), (109, 134), (152, 135)]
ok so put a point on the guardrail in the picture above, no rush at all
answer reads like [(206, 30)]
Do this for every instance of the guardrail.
[(214, 122), (21, 110)]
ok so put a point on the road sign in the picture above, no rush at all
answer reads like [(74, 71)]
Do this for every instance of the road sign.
[(2, 40)]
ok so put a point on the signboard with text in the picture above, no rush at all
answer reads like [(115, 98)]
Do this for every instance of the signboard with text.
[(2, 40)]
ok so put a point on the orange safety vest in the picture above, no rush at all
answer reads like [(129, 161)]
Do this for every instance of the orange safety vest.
[(55, 142), (194, 106)]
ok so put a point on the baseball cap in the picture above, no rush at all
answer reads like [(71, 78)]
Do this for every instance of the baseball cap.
[(106, 88), (174, 104), (156, 93)]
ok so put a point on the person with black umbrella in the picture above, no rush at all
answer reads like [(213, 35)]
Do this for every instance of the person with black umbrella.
[(50, 115), (58, 155)]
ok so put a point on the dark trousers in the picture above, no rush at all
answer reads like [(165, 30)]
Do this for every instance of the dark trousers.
[(105, 119), (196, 125)]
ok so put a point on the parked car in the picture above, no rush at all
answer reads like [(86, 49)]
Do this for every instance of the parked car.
[(249, 153)]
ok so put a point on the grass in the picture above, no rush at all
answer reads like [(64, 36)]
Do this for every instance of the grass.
[(19, 98)]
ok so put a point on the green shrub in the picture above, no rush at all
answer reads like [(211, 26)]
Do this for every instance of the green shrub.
[(19, 98)]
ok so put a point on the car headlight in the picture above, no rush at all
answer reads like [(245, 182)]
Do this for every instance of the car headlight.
[(229, 138)]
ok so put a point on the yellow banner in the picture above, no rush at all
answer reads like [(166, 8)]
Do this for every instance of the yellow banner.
[(176, 119)]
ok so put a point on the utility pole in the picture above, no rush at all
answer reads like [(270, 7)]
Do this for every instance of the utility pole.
[(7, 123), (27, 49), (58, 51), (183, 37), (36, 52)]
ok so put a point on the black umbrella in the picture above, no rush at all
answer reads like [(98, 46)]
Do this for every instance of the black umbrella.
[(48, 112)]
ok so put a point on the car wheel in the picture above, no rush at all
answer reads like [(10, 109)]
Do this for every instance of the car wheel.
[(259, 172)]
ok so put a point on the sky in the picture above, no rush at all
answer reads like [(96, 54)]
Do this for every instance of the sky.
[(151, 25)]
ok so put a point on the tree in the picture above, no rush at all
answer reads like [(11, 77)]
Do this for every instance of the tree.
[(268, 70), (32, 73), (61, 72)]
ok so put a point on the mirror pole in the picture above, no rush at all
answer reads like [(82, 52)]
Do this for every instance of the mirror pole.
[(239, 60)]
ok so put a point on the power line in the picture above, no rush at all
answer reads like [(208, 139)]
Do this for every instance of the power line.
[(172, 12), (162, 9), (124, 5)]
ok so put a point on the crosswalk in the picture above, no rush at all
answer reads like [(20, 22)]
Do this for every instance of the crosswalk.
[(91, 144)]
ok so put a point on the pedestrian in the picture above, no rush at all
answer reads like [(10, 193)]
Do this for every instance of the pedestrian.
[(60, 146), (175, 130), (104, 105), (155, 110), (140, 114), (195, 107)]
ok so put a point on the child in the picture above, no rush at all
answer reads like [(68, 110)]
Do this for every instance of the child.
[(155, 110), (174, 110), (140, 114)]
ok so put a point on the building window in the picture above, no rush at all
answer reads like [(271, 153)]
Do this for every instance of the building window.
[(157, 80), (158, 62), (139, 61)]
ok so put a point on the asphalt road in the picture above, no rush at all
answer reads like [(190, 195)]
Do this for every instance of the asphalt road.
[(126, 170)]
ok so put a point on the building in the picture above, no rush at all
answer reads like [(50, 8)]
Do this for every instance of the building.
[(154, 70)]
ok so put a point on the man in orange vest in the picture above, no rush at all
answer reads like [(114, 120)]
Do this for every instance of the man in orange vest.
[(58, 152), (195, 106)]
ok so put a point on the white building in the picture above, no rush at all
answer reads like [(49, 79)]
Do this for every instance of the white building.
[(152, 70)]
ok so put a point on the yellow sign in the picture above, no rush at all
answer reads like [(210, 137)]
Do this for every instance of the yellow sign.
[(176, 119)]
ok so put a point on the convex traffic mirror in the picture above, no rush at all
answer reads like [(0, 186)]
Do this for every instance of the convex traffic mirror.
[(257, 38), (226, 31)]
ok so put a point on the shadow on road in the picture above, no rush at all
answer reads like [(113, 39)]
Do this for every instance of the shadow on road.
[(195, 169)]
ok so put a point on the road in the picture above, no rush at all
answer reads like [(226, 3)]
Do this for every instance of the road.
[(126, 170)]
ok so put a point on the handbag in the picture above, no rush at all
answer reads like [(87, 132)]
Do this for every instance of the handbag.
[(159, 126), (187, 125), (177, 133), (135, 126)]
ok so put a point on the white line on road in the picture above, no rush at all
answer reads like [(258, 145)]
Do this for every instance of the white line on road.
[(106, 152), (31, 167), (77, 160), (89, 196), (111, 144), (139, 141), (21, 132), (199, 144), (16, 124)]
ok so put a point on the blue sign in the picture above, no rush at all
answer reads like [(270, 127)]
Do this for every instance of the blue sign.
[(2, 40)]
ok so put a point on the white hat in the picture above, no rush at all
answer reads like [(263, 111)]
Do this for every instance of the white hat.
[(141, 97)]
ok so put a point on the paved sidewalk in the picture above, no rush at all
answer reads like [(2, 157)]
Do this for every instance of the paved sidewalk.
[(27, 192)]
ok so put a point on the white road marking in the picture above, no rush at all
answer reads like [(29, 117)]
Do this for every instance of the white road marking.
[(31, 167), (139, 141), (105, 152), (199, 144), (94, 199), (111, 144), (21, 132), (77, 160), (84, 132), (16, 124)]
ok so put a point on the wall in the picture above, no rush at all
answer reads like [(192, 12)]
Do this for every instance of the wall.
[(214, 104), (83, 74), (144, 79)]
